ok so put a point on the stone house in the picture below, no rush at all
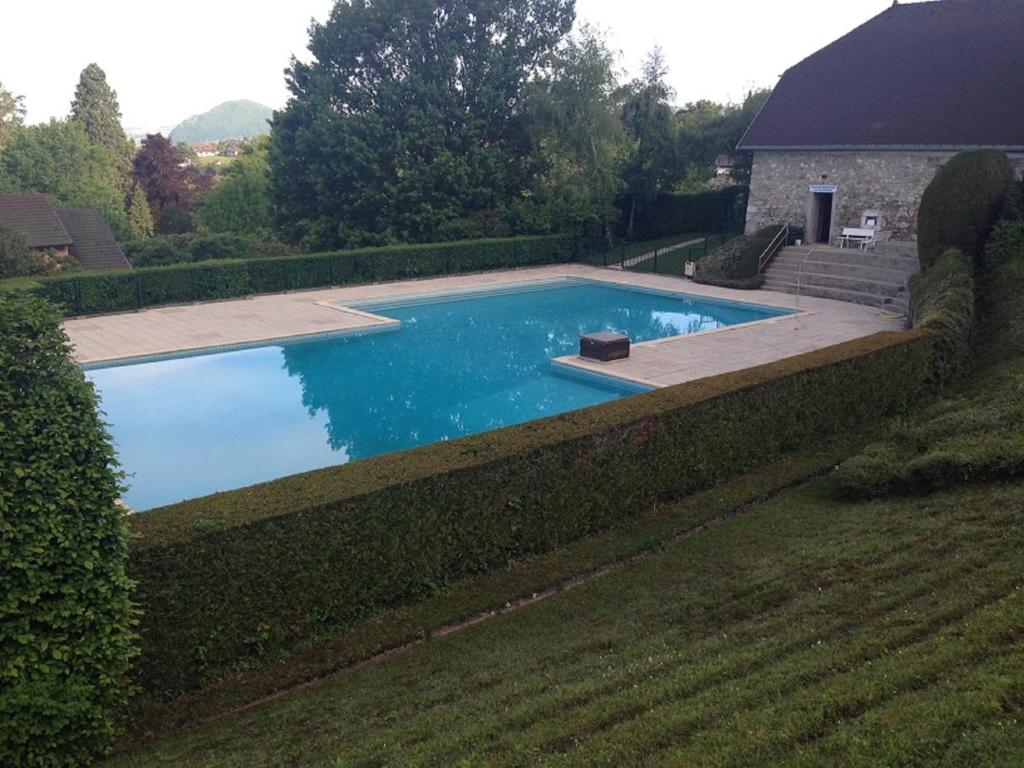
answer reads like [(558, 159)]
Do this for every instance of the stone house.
[(852, 135), (79, 233)]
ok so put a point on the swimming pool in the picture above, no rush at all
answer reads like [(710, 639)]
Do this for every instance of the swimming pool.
[(190, 425)]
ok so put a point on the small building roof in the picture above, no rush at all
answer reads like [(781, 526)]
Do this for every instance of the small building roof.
[(92, 244), (32, 217), (930, 75)]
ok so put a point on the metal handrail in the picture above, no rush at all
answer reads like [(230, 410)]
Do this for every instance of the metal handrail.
[(773, 248)]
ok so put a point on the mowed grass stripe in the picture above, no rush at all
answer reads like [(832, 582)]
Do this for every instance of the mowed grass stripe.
[(785, 673), (935, 725), (824, 707), (545, 710)]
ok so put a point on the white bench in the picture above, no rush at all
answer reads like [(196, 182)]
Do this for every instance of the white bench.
[(861, 237)]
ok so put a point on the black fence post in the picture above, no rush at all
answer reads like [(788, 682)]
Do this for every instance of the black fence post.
[(656, 260), (705, 245), (78, 296), (138, 291)]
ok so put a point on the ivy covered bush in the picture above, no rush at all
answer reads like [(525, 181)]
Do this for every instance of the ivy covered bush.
[(962, 204), (66, 617)]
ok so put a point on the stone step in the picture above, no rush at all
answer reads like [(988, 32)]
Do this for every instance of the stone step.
[(877, 274), (850, 256), (844, 282), (898, 304)]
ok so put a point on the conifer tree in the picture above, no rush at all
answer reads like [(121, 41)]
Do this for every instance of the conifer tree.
[(95, 108)]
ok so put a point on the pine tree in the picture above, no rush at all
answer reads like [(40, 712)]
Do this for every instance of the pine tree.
[(96, 109), (140, 218)]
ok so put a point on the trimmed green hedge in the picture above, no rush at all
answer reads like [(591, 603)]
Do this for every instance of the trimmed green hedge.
[(962, 204), (734, 265), (96, 293), (233, 578), (66, 640), (942, 303)]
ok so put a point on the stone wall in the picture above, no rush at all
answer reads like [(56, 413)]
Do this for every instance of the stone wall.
[(886, 184)]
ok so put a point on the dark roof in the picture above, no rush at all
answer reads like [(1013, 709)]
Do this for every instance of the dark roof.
[(32, 217), (936, 75), (92, 244)]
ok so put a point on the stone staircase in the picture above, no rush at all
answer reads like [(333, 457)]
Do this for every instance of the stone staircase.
[(877, 278)]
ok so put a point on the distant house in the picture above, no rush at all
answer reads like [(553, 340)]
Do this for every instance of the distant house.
[(724, 165), (79, 233), (852, 135)]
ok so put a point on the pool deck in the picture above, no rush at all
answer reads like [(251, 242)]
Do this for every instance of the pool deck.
[(183, 328)]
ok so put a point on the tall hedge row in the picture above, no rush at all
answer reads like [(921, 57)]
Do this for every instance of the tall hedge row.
[(678, 213), (95, 293), (962, 204), (230, 578), (66, 640)]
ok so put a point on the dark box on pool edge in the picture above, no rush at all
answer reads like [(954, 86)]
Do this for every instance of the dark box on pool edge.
[(604, 346)]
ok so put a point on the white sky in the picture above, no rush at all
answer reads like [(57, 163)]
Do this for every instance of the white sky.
[(168, 61)]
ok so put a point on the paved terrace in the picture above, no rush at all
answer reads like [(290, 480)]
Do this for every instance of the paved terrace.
[(163, 330)]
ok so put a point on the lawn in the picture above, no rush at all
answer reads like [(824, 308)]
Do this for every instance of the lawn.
[(808, 631), (671, 263), (600, 254)]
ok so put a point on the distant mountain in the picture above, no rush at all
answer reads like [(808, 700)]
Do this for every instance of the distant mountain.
[(230, 120)]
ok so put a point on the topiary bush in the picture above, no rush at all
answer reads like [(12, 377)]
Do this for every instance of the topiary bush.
[(954, 442), (962, 204), (942, 305), (66, 618), (734, 265)]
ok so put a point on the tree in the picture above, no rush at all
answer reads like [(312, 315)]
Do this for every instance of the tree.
[(15, 257), (408, 124), (95, 108), (582, 133), (12, 114), (58, 159), (652, 164), (171, 185), (140, 218), (240, 202)]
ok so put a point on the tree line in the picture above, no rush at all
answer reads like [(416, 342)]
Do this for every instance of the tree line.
[(413, 122)]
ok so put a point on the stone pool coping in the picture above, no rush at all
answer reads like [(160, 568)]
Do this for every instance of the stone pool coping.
[(266, 318)]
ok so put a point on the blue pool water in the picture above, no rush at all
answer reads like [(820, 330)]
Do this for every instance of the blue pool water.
[(191, 425)]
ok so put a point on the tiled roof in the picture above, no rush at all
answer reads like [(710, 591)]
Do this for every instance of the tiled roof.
[(32, 217), (946, 74), (92, 244)]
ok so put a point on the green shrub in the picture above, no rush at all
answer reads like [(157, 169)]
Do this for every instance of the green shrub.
[(675, 214), (942, 305), (94, 293), (184, 249), (962, 203), (734, 265), (230, 579), (15, 257), (961, 442), (66, 641)]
